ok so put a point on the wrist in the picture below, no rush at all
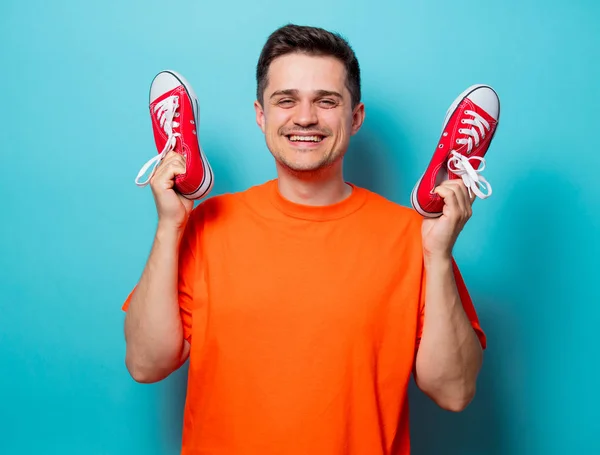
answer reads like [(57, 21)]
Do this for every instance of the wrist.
[(166, 232), (437, 261)]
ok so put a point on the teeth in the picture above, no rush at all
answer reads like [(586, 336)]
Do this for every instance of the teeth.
[(305, 138)]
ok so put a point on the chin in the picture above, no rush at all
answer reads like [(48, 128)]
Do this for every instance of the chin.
[(304, 165), (308, 169)]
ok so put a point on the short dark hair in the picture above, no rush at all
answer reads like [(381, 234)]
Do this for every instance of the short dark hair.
[(316, 41)]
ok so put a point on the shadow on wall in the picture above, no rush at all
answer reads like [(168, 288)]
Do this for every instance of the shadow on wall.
[(528, 326), (170, 415), (479, 429), (378, 157)]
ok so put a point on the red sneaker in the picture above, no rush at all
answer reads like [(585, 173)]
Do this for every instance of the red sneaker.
[(175, 119), (467, 132)]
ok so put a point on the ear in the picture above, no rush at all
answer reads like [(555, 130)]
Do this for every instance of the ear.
[(260, 115), (358, 117)]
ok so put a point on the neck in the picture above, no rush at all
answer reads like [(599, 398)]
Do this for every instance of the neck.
[(325, 187)]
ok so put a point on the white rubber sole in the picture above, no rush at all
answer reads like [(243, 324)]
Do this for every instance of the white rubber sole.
[(207, 182), (417, 206)]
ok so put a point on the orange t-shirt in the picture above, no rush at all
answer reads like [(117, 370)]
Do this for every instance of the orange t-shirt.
[(303, 323)]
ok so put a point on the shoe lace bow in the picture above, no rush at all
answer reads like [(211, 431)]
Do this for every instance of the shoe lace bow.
[(461, 165)]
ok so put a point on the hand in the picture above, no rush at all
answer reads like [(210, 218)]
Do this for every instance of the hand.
[(173, 209), (439, 234)]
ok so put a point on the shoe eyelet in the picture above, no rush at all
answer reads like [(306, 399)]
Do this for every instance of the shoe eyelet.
[(445, 134), (441, 146)]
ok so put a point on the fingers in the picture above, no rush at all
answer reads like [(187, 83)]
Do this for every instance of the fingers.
[(452, 206), (173, 164), (457, 202)]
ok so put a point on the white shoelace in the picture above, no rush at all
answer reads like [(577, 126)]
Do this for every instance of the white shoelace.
[(461, 165), (165, 111)]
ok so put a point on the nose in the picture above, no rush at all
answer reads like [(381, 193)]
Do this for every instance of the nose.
[(305, 114)]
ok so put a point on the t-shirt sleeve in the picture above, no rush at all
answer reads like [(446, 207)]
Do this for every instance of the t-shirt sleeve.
[(466, 301), (187, 271)]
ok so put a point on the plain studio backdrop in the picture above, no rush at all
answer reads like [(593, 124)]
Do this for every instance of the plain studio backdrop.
[(75, 231)]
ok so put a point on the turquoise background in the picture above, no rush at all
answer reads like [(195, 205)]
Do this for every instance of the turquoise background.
[(75, 231)]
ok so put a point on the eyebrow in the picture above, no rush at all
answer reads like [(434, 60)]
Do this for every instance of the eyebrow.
[(294, 92)]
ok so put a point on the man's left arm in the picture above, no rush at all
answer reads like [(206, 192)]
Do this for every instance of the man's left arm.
[(450, 354)]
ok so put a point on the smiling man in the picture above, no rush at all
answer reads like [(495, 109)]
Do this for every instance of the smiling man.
[(305, 303)]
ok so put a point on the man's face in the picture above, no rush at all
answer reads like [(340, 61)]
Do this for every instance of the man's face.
[(307, 114)]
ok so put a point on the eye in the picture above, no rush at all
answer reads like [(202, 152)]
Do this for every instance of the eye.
[(286, 102), (327, 103)]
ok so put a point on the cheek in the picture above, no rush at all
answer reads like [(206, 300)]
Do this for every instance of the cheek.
[(271, 133), (274, 120), (338, 124)]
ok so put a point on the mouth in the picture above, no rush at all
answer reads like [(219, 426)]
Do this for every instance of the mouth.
[(305, 139)]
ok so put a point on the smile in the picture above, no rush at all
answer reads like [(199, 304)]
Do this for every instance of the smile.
[(299, 138)]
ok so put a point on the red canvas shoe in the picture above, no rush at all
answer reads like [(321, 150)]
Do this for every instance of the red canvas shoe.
[(175, 118), (467, 132)]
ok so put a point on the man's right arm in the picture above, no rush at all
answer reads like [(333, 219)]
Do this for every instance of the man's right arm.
[(153, 327)]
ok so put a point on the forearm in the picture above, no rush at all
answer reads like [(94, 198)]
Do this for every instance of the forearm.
[(153, 328), (450, 355)]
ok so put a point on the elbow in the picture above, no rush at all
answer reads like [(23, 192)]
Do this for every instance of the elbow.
[(141, 374), (454, 401), (143, 377), (148, 364), (458, 404), (452, 396)]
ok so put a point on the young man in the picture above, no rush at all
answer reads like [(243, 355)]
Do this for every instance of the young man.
[(305, 303)]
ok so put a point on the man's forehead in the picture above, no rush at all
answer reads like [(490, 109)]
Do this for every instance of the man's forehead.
[(304, 72)]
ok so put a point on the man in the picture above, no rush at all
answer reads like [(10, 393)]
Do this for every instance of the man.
[(305, 303)]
